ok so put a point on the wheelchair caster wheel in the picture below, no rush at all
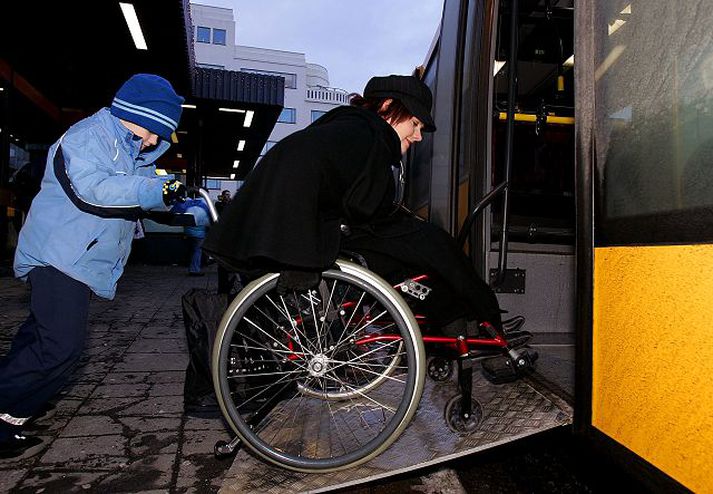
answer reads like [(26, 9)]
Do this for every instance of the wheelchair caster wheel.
[(224, 449), (440, 369), (457, 422)]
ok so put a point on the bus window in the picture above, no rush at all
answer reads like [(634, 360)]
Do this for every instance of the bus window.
[(654, 124)]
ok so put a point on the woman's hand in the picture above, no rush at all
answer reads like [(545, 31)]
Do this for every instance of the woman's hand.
[(298, 281)]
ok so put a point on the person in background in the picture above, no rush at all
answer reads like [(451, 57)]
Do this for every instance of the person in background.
[(76, 240), (226, 281), (195, 234), (223, 201)]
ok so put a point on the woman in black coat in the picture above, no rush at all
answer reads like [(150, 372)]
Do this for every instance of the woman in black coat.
[(288, 214)]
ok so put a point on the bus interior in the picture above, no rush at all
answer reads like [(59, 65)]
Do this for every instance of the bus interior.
[(541, 221), (451, 173)]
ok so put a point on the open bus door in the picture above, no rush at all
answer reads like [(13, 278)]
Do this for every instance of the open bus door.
[(645, 178)]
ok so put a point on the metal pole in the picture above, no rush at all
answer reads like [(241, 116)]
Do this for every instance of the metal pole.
[(509, 139), (5, 135)]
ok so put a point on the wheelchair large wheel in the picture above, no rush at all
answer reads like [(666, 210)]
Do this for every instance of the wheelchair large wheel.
[(319, 380)]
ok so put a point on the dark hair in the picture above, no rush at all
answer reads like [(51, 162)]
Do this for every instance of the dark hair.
[(396, 112)]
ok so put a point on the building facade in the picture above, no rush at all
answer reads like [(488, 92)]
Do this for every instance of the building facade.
[(307, 91)]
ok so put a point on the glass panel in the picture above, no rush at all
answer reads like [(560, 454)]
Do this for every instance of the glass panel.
[(202, 34), (288, 115), (317, 113), (654, 113), (218, 36), (418, 165)]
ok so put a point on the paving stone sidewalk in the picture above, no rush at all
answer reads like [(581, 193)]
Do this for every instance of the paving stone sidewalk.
[(119, 425)]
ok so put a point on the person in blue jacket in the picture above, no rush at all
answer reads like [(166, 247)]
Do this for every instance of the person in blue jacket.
[(99, 179), (195, 233)]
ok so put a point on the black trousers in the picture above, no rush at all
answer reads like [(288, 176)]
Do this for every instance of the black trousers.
[(45, 349), (402, 246)]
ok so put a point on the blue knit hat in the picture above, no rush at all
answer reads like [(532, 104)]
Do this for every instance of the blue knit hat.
[(149, 101)]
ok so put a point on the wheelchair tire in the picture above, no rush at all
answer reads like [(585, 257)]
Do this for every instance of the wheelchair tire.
[(320, 380)]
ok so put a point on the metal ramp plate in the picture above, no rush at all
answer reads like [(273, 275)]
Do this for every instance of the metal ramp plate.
[(510, 412)]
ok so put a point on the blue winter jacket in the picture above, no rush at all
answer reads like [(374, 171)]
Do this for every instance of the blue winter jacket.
[(199, 209), (82, 221)]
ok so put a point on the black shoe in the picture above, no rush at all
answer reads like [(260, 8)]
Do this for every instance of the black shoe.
[(46, 412), (203, 407), (42, 419), (20, 446), (513, 324)]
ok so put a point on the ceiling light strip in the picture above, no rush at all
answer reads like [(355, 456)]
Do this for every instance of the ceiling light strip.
[(134, 27)]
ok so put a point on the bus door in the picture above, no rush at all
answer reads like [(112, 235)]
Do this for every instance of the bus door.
[(645, 176)]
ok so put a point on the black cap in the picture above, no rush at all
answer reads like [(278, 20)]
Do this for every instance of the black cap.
[(411, 91)]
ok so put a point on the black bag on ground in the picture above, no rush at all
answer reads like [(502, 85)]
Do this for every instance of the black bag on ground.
[(202, 312)]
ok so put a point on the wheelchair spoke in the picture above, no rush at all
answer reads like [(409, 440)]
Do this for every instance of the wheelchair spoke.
[(266, 388), (362, 328), (300, 336), (349, 321), (259, 328), (284, 311), (325, 317), (318, 337), (359, 405), (370, 352), (286, 352), (276, 325), (366, 370), (295, 415)]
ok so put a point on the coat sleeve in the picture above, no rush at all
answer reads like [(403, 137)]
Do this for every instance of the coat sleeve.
[(372, 188), (97, 182)]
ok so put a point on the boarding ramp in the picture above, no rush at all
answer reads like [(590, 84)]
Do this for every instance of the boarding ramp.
[(511, 411)]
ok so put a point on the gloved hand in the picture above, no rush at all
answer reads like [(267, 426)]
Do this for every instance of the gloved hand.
[(173, 192), (297, 281)]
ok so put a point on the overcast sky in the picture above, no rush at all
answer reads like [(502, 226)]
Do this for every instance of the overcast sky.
[(353, 40)]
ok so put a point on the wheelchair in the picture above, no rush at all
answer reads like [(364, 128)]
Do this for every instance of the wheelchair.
[(328, 378)]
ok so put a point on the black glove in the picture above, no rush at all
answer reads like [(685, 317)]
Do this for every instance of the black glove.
[(297, 280), (173, 192)]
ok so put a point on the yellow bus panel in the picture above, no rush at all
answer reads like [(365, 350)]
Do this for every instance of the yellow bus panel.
[(652, 381)]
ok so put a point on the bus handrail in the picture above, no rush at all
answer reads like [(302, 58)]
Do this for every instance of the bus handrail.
[(209, 202), (484, 202)]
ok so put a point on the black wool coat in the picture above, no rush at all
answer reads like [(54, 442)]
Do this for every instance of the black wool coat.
[(288, 213)]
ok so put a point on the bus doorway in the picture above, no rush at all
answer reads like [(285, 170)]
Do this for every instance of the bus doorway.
[(538, 281), (531, 262)]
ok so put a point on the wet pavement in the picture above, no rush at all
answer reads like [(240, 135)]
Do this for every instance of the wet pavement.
[(119, 425)]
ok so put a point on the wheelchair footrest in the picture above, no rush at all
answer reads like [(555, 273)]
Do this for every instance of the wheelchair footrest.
[(502, 369)]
